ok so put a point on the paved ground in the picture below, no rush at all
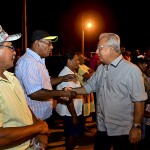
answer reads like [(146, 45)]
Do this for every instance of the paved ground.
[(56, 140)]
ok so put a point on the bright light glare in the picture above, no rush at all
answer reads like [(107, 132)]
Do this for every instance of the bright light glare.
[(89, 25)]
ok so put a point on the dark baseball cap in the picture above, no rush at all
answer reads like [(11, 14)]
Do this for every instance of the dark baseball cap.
[(42, 34)]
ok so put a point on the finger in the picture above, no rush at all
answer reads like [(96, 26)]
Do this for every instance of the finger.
[(31, 142)]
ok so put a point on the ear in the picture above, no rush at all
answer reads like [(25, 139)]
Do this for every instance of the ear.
[(36, 43), (69, 62), (111, 50)]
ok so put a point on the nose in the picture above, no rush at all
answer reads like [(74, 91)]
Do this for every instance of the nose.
[(97, 51), (14, 52)]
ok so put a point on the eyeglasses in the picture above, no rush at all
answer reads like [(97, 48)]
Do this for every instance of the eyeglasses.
[(48, 44), (101, 47), (12, 48)]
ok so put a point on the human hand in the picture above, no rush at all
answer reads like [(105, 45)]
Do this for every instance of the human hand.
[(66, 89), (84, 79), (91, 70), (70, 77), (72, 94), (69, 94), (39, 142), (42, 126), (135, 135)]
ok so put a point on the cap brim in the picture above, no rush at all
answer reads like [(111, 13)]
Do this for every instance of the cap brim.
[(13, 37), (52, 38)]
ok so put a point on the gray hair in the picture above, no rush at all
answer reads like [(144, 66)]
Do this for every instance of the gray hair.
[(112, 39)]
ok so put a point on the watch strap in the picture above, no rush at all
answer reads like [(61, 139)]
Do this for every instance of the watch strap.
[(137, 125)]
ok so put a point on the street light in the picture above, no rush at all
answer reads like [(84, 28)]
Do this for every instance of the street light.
[(24, 26), (85, 25)]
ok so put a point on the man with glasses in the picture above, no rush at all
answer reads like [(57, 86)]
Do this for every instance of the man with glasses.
[(34, 77), (18, 125), (120, 93)]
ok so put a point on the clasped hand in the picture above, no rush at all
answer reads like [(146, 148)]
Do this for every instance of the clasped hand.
[(70, 94)]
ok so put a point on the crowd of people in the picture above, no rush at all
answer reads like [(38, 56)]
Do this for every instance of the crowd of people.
[(115, 85)]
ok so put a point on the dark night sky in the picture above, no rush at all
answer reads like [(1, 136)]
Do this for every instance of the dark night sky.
[(63, 18)]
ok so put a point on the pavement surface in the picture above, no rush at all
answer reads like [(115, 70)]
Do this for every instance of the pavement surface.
[(57, 139)]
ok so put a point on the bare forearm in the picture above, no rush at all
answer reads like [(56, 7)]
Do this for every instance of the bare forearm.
[(56, 80), (70, 106), (138, 112), (45, 94), (16, 135), (66, 78), (80, 91)]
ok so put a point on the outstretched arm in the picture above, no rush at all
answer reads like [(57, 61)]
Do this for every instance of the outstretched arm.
[(66, 78), (80, 90), (45, 94)]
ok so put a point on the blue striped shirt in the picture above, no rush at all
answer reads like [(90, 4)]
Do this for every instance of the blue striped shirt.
[(33, 75)]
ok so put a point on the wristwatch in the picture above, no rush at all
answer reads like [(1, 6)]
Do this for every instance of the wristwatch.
[(137, 125)]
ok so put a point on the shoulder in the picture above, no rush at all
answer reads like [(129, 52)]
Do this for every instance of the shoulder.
[(65, 71), (130, 66), (26, 60), (131, 71)]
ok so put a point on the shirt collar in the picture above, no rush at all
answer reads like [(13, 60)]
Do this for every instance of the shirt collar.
[(9, 75), (117, 61), (35, 55)]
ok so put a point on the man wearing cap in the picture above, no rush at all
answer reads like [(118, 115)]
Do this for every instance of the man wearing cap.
[(18, 125), (34, 77)]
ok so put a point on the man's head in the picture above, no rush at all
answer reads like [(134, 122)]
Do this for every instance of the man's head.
[(108, 48), (7, 51), (42, 43)]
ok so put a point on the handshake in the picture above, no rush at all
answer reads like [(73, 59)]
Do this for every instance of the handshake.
[(70, 94)]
